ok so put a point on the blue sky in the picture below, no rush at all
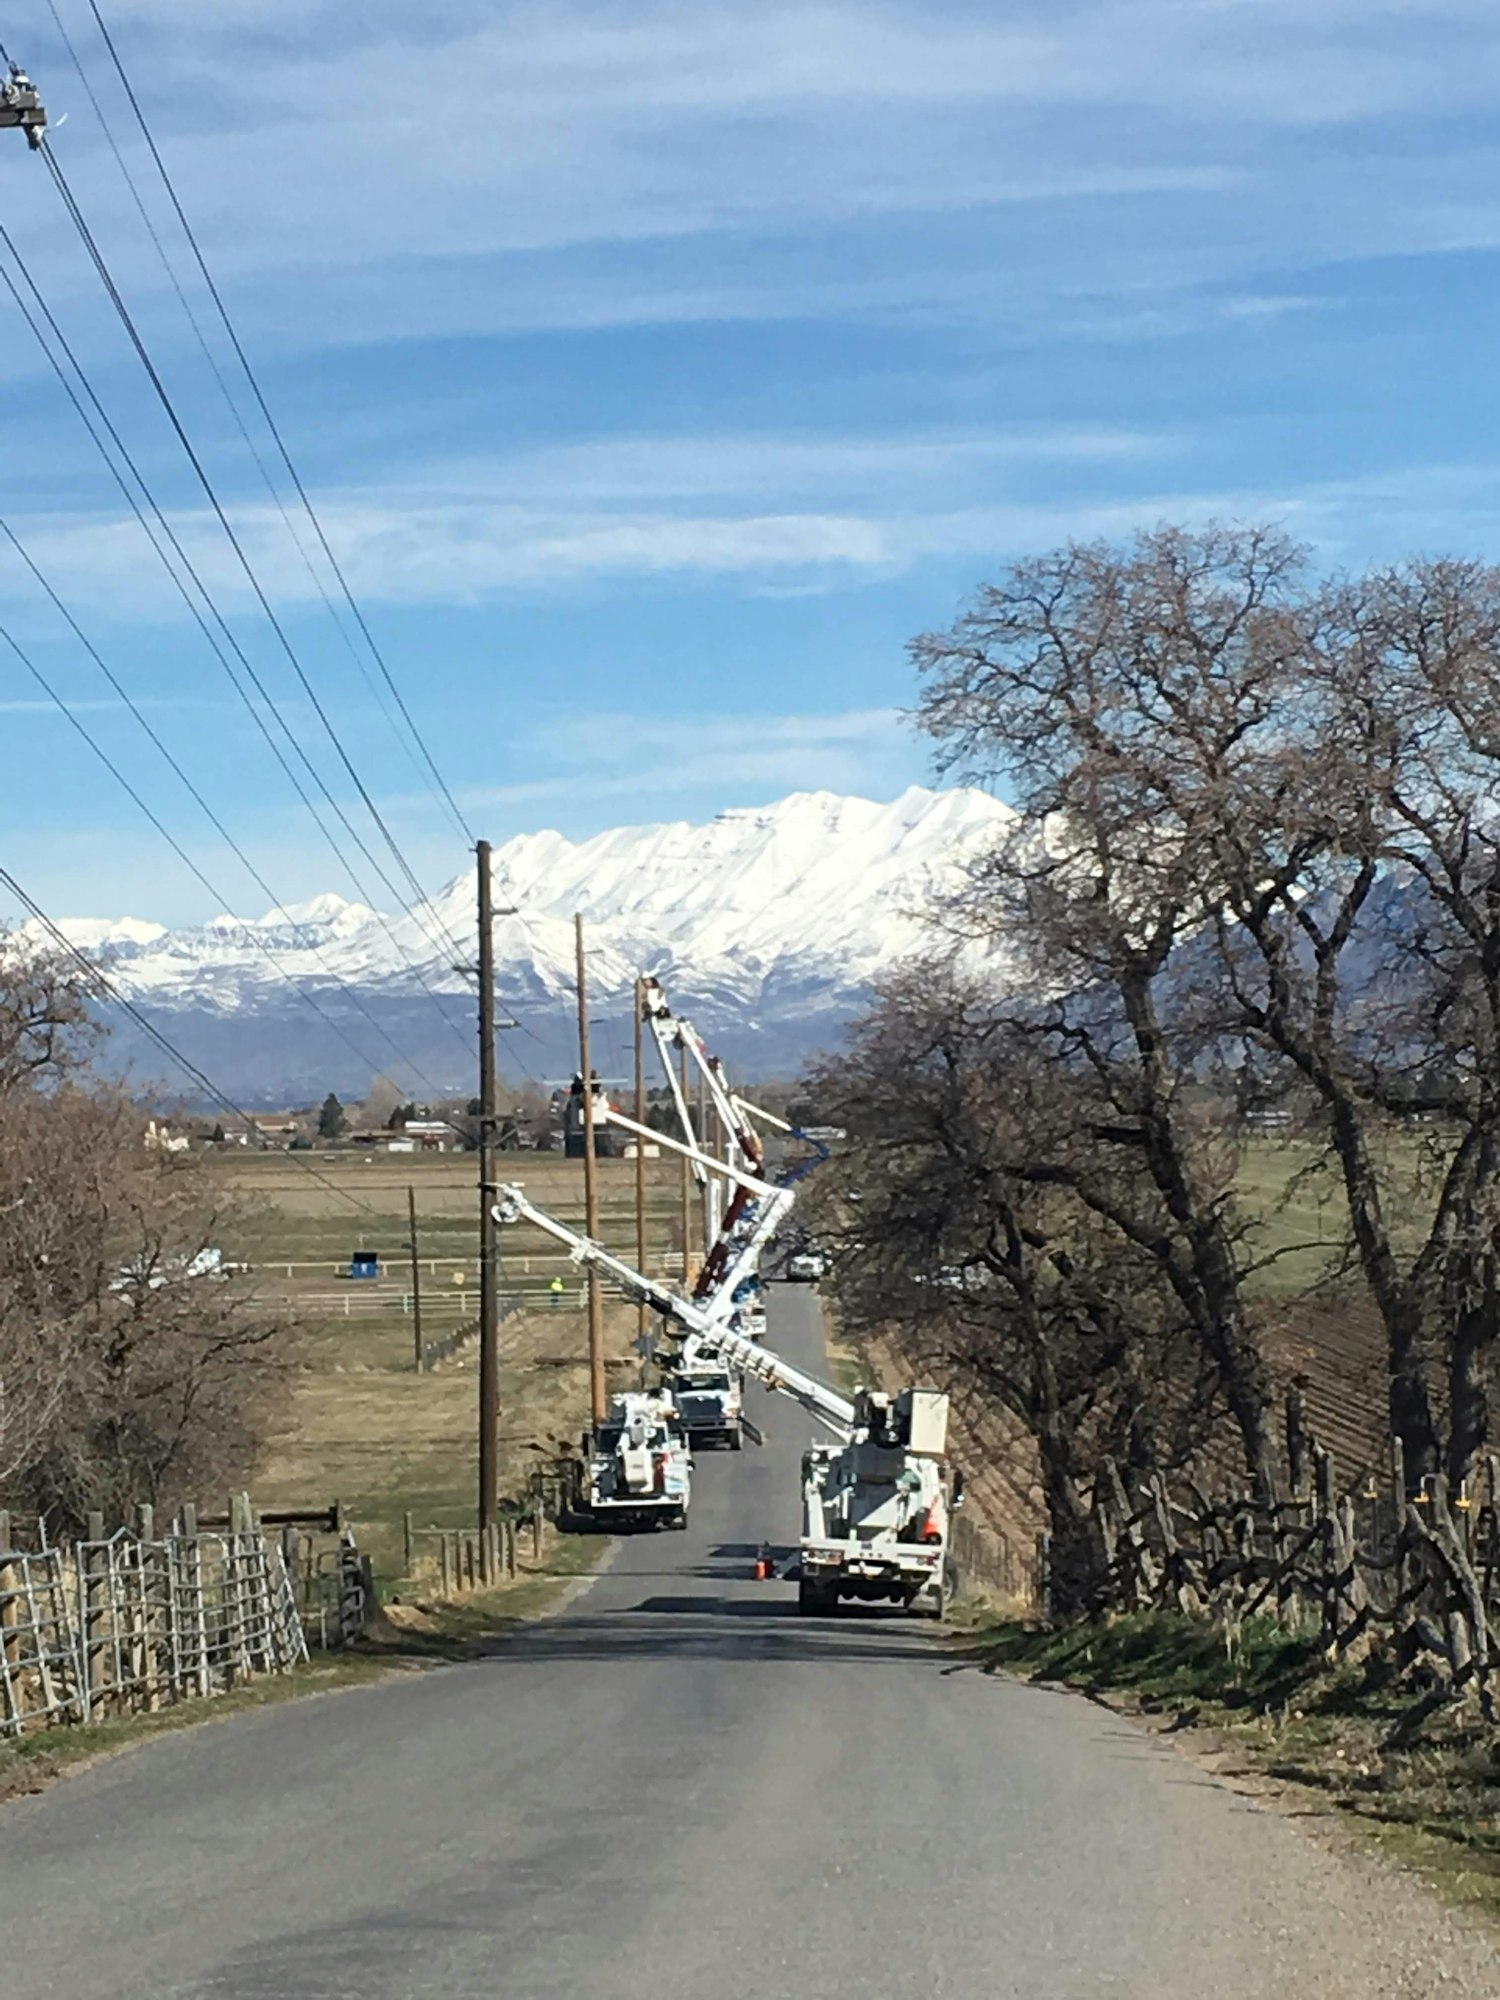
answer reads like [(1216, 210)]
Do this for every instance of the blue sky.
[(659, 370)]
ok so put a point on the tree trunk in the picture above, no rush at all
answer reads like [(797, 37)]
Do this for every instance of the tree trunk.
[(1076, 1565), (1468, 1394)]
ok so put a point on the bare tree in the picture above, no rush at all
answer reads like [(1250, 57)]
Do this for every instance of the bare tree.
[(1258, 834), (1070, 680), (130, 1367), (973, 1248)]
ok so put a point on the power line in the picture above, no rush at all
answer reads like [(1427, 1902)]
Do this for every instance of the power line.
[(271, 424), (162, 1041), (442, 795), (124, 782), (170, 536), (153, 375)]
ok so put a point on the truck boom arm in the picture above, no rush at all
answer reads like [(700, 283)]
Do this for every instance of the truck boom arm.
[(706, 1331), (836, 1411)]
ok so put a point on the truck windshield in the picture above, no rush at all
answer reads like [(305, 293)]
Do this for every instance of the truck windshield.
[(685, 1385)]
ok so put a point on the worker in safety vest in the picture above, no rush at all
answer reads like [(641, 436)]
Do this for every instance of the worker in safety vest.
[(556, 1289)]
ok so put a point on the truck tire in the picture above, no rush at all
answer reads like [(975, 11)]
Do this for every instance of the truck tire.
[(734, 1440), (814, 1599)]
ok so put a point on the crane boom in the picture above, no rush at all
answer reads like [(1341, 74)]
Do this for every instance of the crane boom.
[(750, 1220), (706, 1329), (825, 1403)]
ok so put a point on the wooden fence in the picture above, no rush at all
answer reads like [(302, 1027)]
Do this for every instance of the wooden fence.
[(1376, 1565), (132, 1622), (988, 1562)]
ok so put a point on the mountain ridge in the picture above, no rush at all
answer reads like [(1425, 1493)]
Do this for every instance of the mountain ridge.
[(768, 924)]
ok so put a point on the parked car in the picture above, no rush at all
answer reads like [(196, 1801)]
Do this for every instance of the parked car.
[(807, 1266)]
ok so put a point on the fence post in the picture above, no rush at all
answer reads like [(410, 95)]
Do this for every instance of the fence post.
[(445, 1584), (91, 1616), (143, 1657), (407, 1543), (1297, 1439)]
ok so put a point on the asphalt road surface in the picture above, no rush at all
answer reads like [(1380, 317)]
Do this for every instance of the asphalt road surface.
[(680, 1788)]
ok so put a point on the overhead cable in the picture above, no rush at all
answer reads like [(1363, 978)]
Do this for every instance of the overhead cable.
[(170, 536), (441, 795), (271, 424), (304, 992), (163, 395)]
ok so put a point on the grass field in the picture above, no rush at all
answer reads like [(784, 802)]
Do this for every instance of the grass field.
[(364, 1428), (1292, 1197)]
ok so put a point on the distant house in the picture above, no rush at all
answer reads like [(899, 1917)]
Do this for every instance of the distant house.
[(160, 1138), (431, 1135)]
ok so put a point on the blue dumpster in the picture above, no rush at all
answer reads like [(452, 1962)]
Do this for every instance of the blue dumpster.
[(364, 1264)]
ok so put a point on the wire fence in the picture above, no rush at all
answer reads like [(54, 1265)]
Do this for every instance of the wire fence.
[(133, 1622)]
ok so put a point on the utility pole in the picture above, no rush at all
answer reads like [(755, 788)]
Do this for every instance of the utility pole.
[(416, 1276), (640, 1153), (489, 1273), (710, 1180), (590, 1188), (689, 1261), (20, 106)]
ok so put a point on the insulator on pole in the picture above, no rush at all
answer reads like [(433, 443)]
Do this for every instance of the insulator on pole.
[(20, 105)]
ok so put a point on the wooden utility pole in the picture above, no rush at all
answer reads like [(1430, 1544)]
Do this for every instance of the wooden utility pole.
[(710, 1180), (489, 1272), (597, 1397), (640, 1154), (416, 1277), (689, 1262)]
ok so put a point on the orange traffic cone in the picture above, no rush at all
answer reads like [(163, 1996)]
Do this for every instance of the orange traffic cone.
[(765, 1564)]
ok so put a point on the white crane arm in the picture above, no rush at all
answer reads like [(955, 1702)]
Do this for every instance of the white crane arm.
[(825, 1403), (731, 1257), (667, 1028), (707, 1333)]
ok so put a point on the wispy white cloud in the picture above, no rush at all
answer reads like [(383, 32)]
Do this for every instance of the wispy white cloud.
[(627, 507), (469, 551), (349, 181), (724, 758)]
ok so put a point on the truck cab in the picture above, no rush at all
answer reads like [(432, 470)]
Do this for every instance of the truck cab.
[(709, 1403)]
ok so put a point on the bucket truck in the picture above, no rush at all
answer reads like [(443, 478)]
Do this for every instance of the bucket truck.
[(876, 1502), (640, 1468)]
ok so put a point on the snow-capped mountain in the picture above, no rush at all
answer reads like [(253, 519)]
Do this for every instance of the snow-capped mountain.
[(767, 924)]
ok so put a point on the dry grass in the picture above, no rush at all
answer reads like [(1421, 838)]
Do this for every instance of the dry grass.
[(364, 1428)]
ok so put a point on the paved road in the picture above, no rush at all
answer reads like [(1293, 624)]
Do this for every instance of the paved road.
[(679, 1788)]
